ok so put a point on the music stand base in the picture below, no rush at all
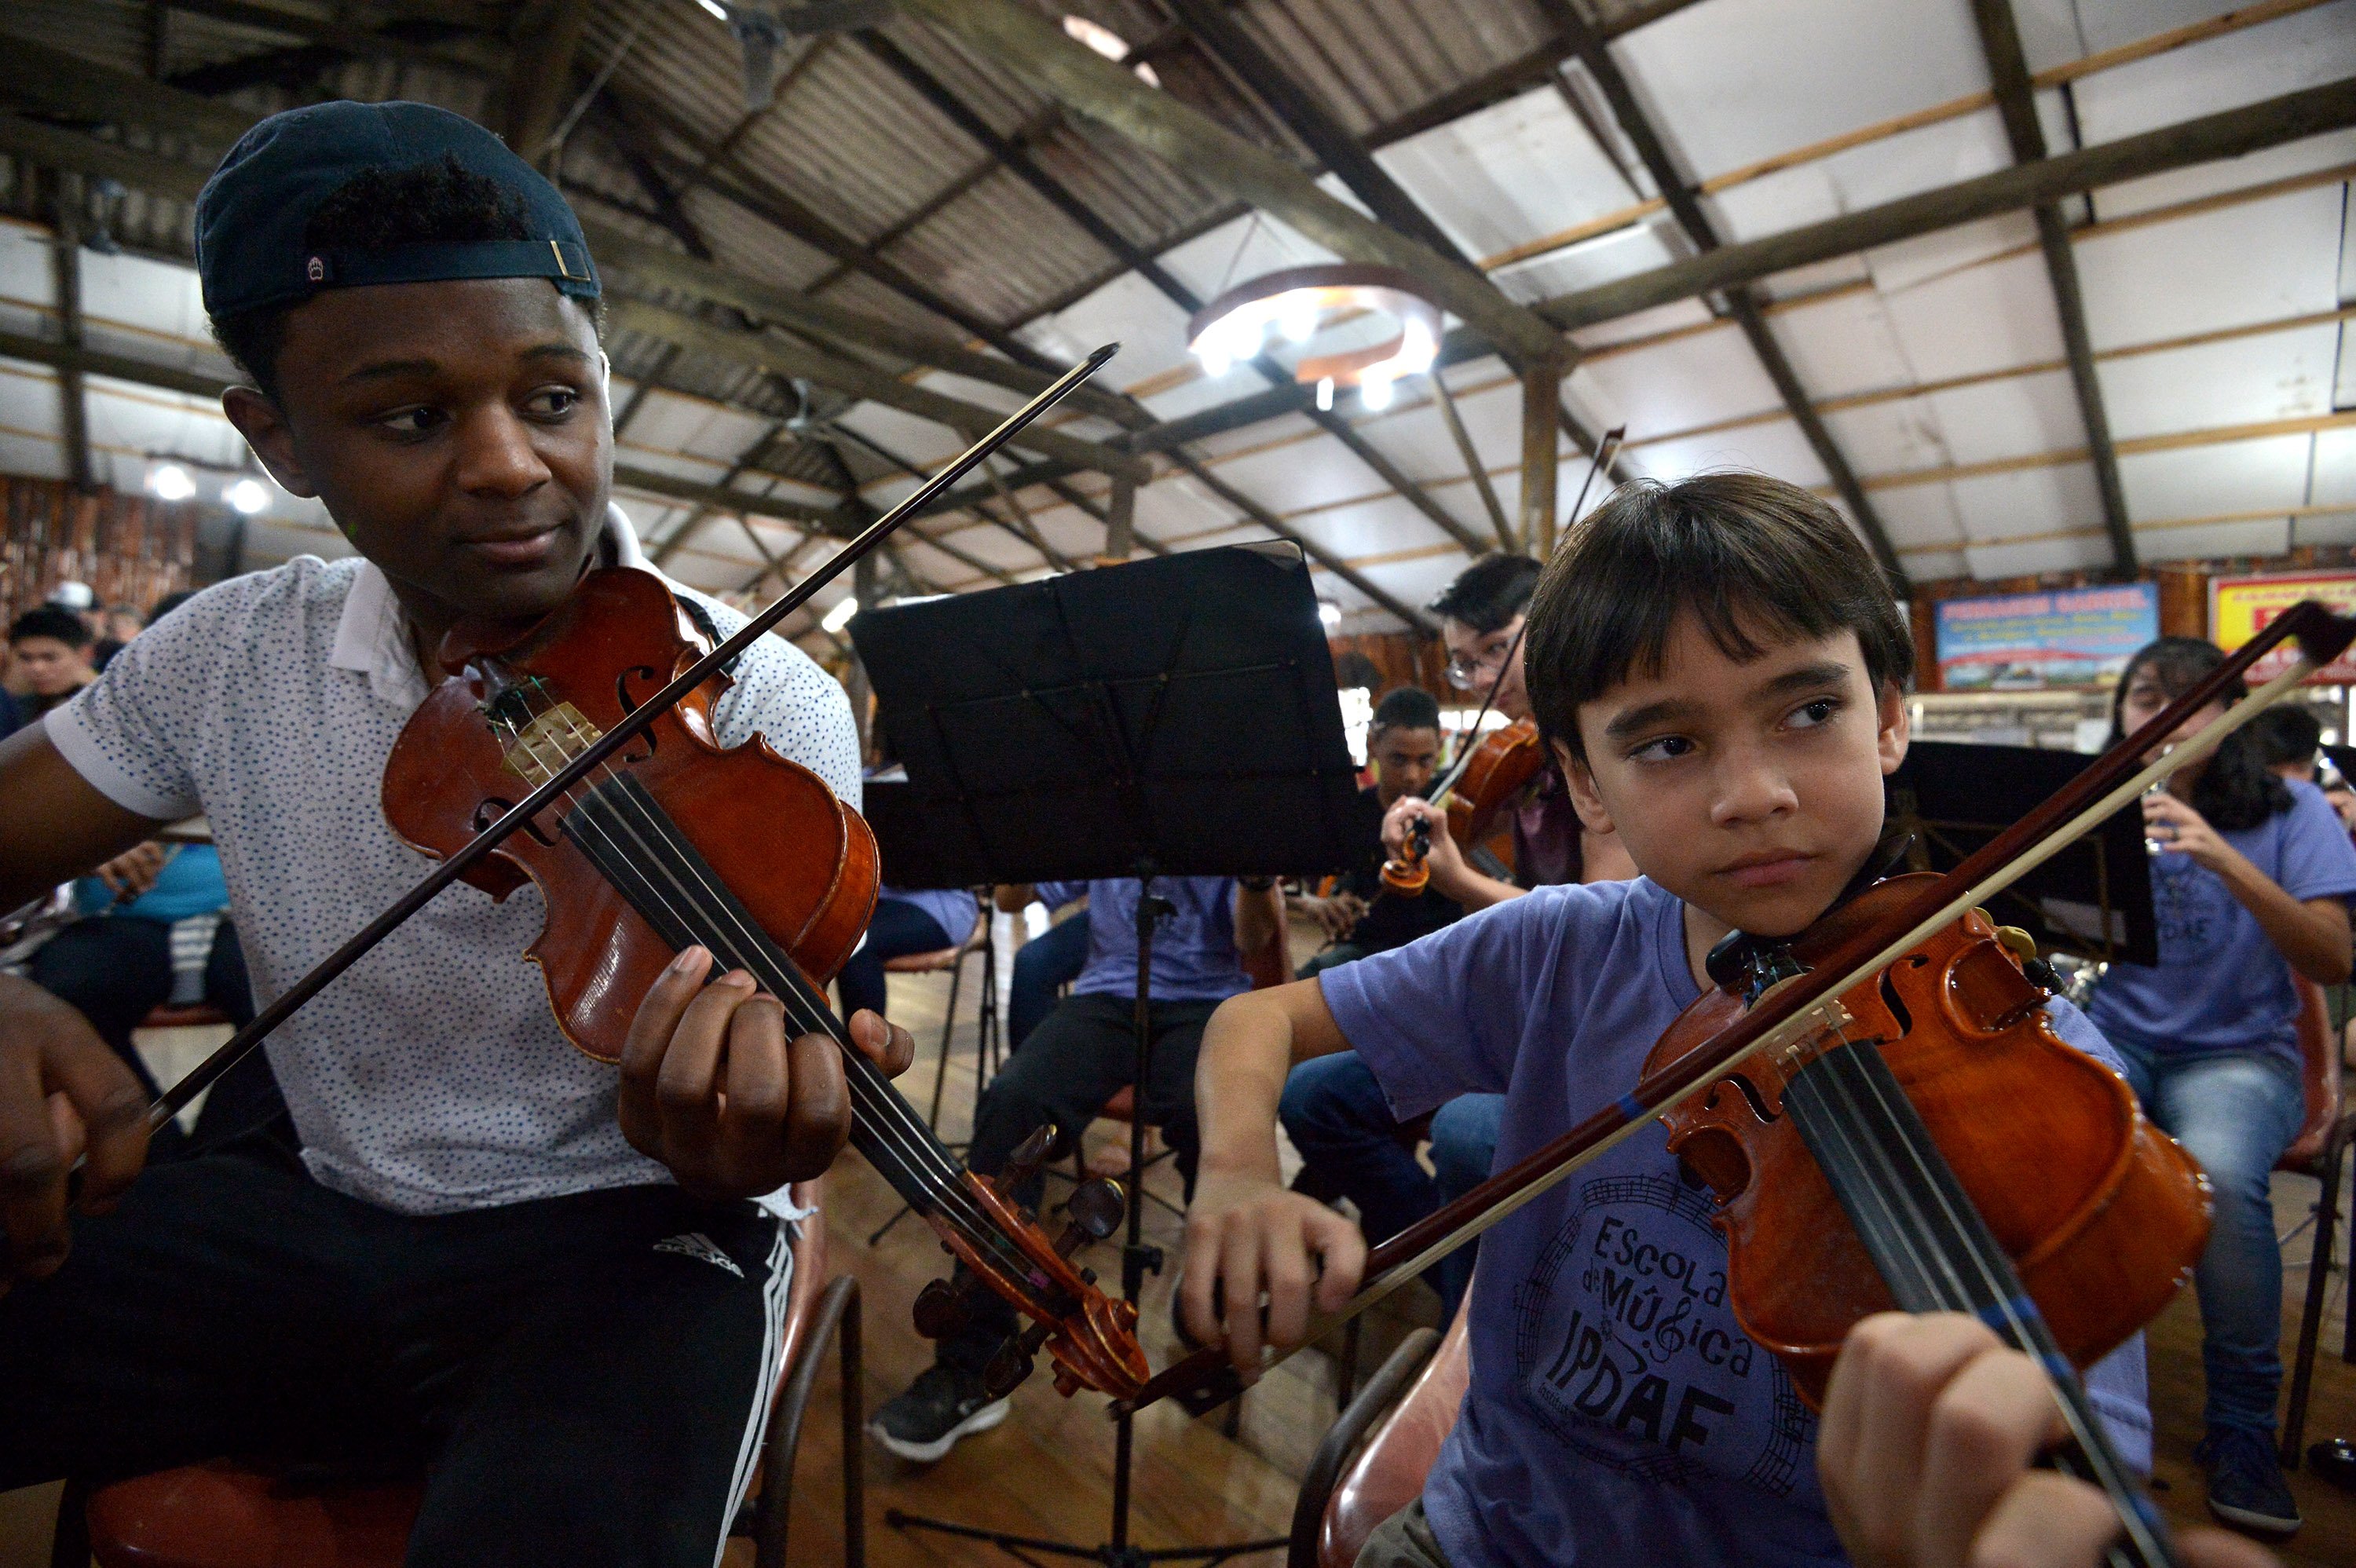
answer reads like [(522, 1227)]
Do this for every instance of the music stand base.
[(1021, 1547)]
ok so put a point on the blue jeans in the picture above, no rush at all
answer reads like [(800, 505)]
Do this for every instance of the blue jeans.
[(1043, 967), (2235, 1114), (897, 929), (1337, 1117)]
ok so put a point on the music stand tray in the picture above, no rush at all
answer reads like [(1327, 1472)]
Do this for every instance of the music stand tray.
[(1173, 717)]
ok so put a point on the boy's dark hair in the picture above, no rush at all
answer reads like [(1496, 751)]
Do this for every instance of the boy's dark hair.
[(1752, 557), (2237, 789), (2289, 733), (378, 210), (169, 602), (54, 621), (1489, 592), (1407, 708)]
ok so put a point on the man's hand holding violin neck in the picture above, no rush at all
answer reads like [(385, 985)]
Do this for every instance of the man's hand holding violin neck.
[(713, 1087), (1931, 1426), (64, 1096)]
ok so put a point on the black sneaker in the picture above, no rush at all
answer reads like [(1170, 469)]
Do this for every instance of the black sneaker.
[(2245, 1480), (942, 1405)]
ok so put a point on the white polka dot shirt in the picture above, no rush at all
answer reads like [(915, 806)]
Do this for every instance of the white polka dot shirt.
[(430, 1077)]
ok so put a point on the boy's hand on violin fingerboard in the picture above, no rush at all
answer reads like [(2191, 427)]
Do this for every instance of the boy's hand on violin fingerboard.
[(1930, 1424), (63, 1095), (713, 1087), (1246, 1235)]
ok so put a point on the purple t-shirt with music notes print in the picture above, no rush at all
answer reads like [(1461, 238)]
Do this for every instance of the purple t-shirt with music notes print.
[(1617, 1413)]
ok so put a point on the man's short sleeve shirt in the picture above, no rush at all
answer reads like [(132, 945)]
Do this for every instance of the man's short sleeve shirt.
[(431, 1077)]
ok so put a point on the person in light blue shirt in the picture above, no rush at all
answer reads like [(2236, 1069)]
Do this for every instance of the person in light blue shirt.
[(907, 921), (1072, 1062), (2250, 878)]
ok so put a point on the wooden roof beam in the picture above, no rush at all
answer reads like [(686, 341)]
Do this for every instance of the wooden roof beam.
[(2017, 103)]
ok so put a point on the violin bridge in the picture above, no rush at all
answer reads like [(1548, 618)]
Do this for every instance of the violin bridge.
[(1810, 1030), (551, 739)]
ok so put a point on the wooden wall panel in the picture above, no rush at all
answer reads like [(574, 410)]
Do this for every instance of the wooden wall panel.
[(1401, 658), (131, 550)]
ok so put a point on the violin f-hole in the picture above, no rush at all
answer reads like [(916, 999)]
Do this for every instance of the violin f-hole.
[(491, 808), (629, 704)]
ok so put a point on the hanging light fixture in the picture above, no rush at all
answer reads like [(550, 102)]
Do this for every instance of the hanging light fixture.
[(1296, 304)]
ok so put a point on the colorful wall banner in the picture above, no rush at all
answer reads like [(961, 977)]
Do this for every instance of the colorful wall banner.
[(2029, 642), (2241, 607)]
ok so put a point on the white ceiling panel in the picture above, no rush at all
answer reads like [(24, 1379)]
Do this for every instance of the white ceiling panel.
[(1678, 384), (2253, 262), (1704, 72), (2017, 417), (1196, 393), (1508, 175), (2049, 498), (1638, 247), (1922, 159), (1300, 473), (1788, 198), (1977, 319), (1377, 527), (1896, 437), (2325, 527), (2333, 480), (1209, 265), (2082, 553), (2091, 26), (1919, 515), (2281, 375), (2304, 49), (1778, 449), (2215, 480), (1933, 565), (2264, 535), (1150, 328), (1930, 259), (1843, 344)]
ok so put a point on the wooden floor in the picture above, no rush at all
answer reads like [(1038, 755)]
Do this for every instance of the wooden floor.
[(1047, 1471)]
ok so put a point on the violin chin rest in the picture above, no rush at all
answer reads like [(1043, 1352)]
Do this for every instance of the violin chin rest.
[(472, 638)]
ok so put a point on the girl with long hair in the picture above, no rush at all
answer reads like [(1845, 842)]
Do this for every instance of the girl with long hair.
[(2250, 877)]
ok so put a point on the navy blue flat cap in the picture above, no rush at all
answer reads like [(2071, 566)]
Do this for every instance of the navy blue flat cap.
[(252, 212)]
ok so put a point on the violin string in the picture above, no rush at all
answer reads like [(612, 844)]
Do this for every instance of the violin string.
[(745, 951), (1866, 1098), (943, 1180), (786, 980)]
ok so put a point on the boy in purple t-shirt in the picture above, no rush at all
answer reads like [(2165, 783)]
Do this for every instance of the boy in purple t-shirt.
[(1719, 669)]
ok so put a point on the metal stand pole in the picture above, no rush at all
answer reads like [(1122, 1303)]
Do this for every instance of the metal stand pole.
[(1136, 1260)]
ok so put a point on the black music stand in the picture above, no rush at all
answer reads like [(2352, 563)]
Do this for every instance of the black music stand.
[(2093, 899), (1175, 717)]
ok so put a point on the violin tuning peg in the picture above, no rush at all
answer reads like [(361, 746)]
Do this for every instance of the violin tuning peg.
[(1014, 1362), (1093, 1212), (1024, 1162), (941, 1310)]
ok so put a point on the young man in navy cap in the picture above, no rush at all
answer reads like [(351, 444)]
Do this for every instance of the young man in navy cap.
[(544, 1283)]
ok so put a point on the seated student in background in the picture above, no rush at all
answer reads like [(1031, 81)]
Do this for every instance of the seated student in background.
[(1074, 1063), (2286, 739), (923, 920), (1361, 916), (1721, 671), (1049, 961), (115, 965), (49, 659), (2250, 883)]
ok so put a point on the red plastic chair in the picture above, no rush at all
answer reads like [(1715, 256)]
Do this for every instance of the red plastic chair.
[(2321, 1151), (225, 1515), (1358, 1481)]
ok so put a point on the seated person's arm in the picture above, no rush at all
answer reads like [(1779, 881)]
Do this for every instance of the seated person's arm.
[(1258, 916), (1930, 1427), (62, 1093), (1246, 1232)]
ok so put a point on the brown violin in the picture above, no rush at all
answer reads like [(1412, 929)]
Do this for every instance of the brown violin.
[(1924, 1081), (679, 841), (1477, 789)]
